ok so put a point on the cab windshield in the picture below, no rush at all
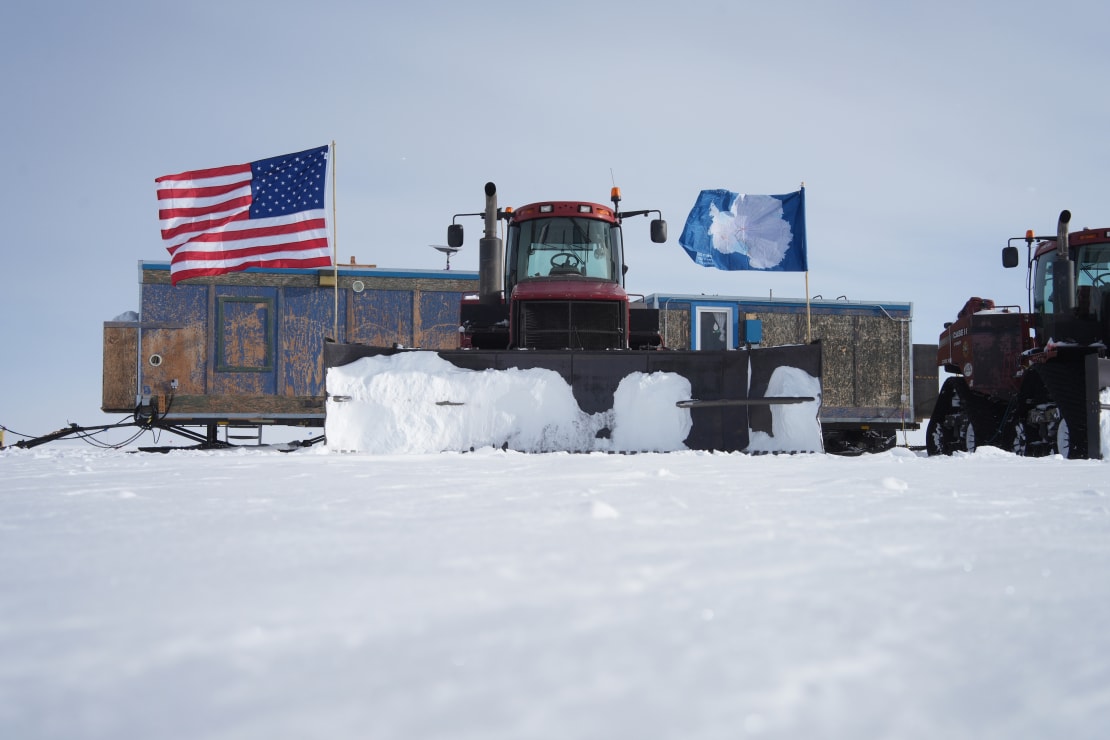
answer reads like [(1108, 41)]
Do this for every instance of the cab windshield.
[(564, 246), (1092, 280)]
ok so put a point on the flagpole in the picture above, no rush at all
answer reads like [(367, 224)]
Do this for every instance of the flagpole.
[(809, 326), (809, 323), (334, 242)]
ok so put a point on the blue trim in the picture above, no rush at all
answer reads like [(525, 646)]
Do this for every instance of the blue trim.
[(786, 305), (346, 271)]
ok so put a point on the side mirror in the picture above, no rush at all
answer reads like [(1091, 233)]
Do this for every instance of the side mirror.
[(1010, 257), (659, 231), (455, 235)]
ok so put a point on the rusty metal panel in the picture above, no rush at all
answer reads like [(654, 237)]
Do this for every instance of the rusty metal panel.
[(120, 381)]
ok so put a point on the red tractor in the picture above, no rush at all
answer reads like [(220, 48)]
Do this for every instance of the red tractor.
[(563, 277), (1030, 382)]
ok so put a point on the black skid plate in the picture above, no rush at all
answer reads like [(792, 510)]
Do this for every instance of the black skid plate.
[(738, 377)]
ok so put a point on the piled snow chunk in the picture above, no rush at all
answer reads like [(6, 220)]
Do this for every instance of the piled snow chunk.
[(795, 427), (645, 413), (419, 402), (1104, 423), (416, 402)]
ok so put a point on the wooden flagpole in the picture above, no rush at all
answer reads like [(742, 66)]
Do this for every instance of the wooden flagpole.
[(809, 326), (334, 243), (809, 323)]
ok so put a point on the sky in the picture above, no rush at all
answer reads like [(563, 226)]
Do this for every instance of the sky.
[(248, 594), (925, 136)]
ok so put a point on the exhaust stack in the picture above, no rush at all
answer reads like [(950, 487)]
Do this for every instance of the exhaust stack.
[(1063, 275), (490, 252)]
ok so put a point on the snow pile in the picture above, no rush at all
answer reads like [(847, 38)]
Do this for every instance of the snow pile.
[(1104, 422), (417, 402), (645, 416), (795, 426)]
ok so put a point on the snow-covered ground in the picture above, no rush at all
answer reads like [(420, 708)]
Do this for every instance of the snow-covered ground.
[(315, 594)]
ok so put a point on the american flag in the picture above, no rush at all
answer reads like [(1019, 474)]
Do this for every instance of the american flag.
[(268, 213)]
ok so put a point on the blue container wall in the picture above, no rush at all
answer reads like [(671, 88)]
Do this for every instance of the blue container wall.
[(233, 340)]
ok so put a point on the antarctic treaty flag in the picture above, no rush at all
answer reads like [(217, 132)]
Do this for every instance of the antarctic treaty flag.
[(268, 213), (747, 232)]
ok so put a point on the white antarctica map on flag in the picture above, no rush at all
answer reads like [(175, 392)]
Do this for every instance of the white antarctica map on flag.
[(754, 227), (733, 231)]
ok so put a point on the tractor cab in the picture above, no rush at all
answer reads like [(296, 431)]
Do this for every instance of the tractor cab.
[(564, 240), (1082, 316)]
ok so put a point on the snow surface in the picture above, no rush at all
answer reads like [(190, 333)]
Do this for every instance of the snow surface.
[(314, 594), (417, 402)]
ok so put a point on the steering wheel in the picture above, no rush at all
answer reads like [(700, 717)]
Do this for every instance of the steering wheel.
[(566, 261)]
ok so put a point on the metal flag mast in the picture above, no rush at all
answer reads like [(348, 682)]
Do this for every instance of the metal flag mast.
[(335, 243)]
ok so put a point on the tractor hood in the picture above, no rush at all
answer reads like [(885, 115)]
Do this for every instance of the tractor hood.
[(570, 288)]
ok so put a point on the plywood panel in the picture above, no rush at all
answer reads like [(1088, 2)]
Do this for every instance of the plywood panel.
[(307, 316), (381, 318), (120, 381), (171, 354), (439, 320)]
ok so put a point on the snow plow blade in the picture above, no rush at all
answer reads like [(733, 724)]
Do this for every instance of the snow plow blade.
[(697, 403), (729, 389)]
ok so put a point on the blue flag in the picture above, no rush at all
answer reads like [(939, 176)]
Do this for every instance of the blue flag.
[(747, 232)]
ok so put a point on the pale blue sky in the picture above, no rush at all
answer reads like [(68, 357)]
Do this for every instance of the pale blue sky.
[(926, 137)]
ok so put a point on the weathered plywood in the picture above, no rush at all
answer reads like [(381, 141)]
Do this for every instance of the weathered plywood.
[(244, 334), (381, 318), (438, 327), (120, 380), (243, 341), (307, 317), (252, 342), (217, 405), (173, 354)]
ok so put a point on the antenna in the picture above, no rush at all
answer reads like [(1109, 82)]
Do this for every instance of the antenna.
[(447, 251)]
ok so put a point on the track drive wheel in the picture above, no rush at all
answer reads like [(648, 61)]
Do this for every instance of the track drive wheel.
[(948, 425)]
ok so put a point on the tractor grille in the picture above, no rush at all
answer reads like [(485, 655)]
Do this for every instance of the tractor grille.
[(570, 324)]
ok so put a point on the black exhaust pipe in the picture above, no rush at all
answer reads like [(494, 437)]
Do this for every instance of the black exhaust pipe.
[(1063, 274), (490, 252)]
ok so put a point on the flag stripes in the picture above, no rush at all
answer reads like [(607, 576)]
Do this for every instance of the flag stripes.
[(268, 213)]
